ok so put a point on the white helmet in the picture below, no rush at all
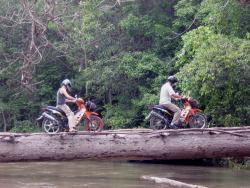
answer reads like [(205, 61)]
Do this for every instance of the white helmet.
[(172, 79), (67, 84)]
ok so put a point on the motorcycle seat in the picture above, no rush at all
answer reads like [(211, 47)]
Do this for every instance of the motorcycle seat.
[(162, 107), (57, 109)]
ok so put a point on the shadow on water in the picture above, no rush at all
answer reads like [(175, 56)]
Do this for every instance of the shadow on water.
[(196, 162)]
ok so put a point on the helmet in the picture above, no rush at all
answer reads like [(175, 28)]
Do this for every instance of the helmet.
[(172, 79), (67, 84)]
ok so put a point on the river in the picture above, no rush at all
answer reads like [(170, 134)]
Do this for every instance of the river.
[(103, 174)]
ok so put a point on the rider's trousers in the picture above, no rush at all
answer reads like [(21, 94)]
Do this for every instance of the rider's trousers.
[(69, 114), (177, 112)]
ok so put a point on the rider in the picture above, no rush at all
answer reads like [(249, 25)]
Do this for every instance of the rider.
[(167, 93), (62, 98)]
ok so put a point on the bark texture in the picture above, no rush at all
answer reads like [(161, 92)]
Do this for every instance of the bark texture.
[(135, 144)]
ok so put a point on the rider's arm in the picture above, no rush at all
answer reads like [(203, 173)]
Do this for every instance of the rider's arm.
[(176, 96), (69, 100), (68, 97), (173, 95)]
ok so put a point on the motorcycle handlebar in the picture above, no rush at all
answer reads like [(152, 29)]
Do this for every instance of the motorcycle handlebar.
[(79, 100), (184, 98)]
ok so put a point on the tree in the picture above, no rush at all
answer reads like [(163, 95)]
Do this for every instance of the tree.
[(215, 70)]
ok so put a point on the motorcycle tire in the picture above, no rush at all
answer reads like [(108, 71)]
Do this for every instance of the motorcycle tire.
[(198, 120), (157, 123), (94, 123), (50, 127)]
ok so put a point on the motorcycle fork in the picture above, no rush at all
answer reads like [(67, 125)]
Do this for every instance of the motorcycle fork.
[(88, 114)]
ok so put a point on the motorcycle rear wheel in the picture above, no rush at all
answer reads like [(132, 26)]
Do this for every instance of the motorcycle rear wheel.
[(156, 123), (94, 123), (50, 127), (198, 120)]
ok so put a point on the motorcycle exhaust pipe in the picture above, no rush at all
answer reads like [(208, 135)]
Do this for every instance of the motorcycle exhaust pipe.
[(153, 113), (157, 115), (49, 117)]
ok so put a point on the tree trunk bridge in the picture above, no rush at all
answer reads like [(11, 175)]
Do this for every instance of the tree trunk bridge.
[(127, 144)]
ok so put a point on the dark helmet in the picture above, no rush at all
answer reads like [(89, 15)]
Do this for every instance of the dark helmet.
[(172, 79), (67, 84)]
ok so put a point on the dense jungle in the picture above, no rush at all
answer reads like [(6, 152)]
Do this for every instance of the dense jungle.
[(119, 53)]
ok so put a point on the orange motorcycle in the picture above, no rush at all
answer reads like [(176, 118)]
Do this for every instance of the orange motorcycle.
[(191, 116), (54, 120)]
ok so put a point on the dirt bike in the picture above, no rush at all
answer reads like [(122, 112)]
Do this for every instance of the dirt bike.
[(191, 116), (54, 120)]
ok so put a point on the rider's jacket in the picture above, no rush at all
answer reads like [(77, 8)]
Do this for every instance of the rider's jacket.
[(166, 92)]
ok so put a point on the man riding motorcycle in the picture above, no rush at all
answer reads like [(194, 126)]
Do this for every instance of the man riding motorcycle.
[(62, 98), (167, 93)]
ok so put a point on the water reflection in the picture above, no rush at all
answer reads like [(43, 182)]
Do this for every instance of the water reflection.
[(94, 174)]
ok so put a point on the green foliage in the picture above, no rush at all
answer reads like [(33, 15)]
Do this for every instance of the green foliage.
[(119, 56), (215, 70), (24, 127), (186, 11), (150, 32), (222, 16), (129, 82), (227, 17), (118, 116)]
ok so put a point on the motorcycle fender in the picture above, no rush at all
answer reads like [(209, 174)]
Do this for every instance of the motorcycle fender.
[(191, 112), (162, 110), (195, 110), (88, 114)]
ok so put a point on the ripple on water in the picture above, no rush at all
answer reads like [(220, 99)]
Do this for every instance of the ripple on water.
[(95, 174)]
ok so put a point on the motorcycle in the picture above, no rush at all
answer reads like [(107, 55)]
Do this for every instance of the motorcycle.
[(54, 120), (191, 116)]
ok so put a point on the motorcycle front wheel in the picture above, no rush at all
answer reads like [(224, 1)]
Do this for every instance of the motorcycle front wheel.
[(94, 123), (198, 120), (156, 123), (49, 126)]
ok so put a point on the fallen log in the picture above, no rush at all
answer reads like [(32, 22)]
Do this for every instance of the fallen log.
[(142, 144), (170, 182)]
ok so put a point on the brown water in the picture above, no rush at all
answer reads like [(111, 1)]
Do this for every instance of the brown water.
[(94, 174)]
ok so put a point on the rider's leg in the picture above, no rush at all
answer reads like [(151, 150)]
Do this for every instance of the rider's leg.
[(70, 116), (78, 116), (177, 113)]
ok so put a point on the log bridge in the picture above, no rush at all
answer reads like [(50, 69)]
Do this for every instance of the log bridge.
[(127, 144)]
